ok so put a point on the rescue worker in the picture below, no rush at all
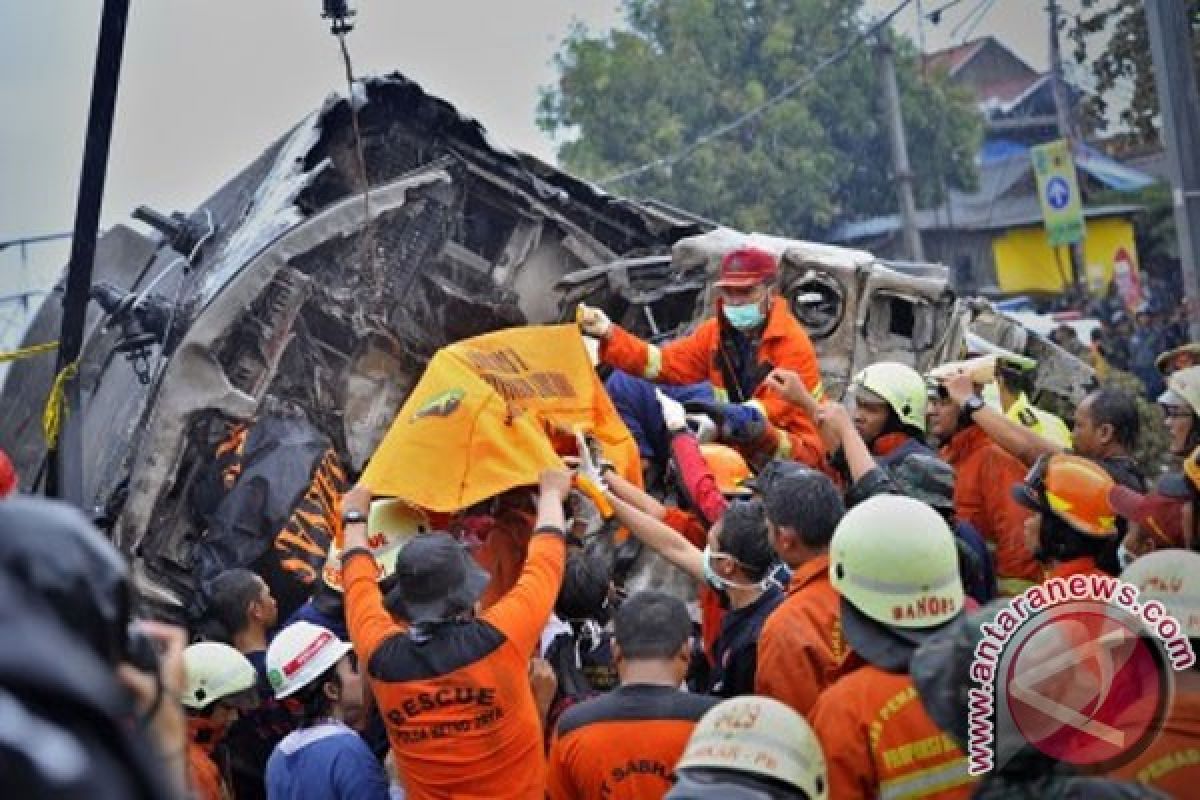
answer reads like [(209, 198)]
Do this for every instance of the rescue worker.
[(453, 686), (220, 685), (752, 333), (943, 671), (325, 757), (734, 571), (1181, 408), (1172, 761), (894, 563), (751, 748), (983, 475), (242, 612), (801, 649), (1106, 430), (1073, 521), (1182, 357), (623, 745), (1013, 382), (890, 411)]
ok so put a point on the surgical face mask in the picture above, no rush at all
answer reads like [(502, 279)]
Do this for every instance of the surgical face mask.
[(743, 317), (1125, 556), (720, 584)]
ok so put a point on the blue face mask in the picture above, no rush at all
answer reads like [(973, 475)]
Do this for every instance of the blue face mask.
[(743, 317)]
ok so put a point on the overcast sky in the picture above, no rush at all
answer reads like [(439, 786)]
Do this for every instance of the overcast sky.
[(207, 84)]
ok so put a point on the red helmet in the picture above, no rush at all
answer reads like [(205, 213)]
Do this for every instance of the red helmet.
[(8, 475), (746, 267)]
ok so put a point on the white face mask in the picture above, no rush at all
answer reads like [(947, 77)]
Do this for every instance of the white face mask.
[(720, 584)]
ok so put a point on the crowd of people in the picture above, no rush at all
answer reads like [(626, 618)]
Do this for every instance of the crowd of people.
[(840, 562)]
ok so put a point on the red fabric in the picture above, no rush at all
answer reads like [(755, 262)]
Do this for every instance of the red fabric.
[(697, 478), (711, 612), (747, 266), (888, 442), (693, 359), (8, 475), (1076, 566), (983, 479)]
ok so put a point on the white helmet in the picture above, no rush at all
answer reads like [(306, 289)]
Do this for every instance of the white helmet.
[(1183, 389), (1172, 577), (901, 387), (391, 524), (761, 736), (215, 672), (894, 559), (301, 653)]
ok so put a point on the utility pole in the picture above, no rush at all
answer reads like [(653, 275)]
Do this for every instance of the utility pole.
[(1171, 48), (64, 472), (904, 177), (1066, 130)]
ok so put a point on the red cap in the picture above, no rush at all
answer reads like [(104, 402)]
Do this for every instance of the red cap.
[(8, 475), (1156, 513), (747, 267)]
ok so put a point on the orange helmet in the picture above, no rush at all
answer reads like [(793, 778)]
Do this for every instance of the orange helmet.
[(1072, 488), (727, 466)]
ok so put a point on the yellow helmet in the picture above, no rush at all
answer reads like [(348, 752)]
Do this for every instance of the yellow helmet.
[(901, 387), (727, 466), (894, 559)]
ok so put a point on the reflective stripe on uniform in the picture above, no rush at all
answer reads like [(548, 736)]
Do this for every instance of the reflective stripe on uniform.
[(818, 391), (927, 781), (720, 395), (784, 450), (757, 406), (653, 363)]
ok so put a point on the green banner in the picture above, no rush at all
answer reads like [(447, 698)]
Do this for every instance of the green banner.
[(1058, 192)]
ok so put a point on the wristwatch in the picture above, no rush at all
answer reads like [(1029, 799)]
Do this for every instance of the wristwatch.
[(972, 404), (353, 516)]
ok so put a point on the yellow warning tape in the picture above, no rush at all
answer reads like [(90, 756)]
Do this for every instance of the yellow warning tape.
[(28, 352), (54, 413)]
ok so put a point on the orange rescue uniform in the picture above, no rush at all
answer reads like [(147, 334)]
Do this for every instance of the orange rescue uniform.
[(697, 357), (623, 745), (801, 649), (984, 476), (1084, 565), (459, 711), (1172, 761), (203, 774), (880, 743)]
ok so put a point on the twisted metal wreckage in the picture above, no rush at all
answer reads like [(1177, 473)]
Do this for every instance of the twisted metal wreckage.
[(271, 335)]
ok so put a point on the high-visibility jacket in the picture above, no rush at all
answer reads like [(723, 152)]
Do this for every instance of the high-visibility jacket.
[(623, 745), (880, 743), (1172, 761), (700, 356), (984, 475), (458, 707), (802, 650), (1043, 423)]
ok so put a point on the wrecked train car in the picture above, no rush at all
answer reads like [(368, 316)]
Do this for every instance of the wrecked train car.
[(294, 296)]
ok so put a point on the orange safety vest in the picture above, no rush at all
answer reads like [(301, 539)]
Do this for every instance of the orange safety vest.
[(984, 476), (801, 650), (697, 357), (880, 743)]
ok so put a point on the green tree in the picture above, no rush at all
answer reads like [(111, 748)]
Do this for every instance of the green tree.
[(682, 68), (1110, 39)]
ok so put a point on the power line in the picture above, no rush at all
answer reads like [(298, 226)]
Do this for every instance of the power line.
[(776, 99), (970, 24)]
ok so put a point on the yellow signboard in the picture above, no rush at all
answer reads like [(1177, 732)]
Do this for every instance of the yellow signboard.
[(1058, 191)]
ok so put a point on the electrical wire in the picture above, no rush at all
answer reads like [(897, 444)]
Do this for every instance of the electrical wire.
[(789, 90), (980, 12)]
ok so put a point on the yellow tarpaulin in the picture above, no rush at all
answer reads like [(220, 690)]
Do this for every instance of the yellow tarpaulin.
[(480, 420), (1026, 263)]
